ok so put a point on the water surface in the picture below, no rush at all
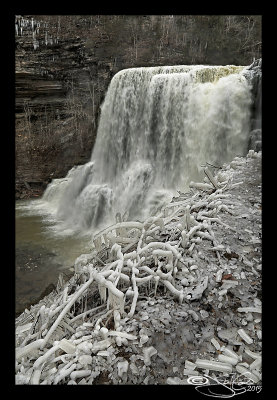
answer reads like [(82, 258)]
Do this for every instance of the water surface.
[(41, 253)]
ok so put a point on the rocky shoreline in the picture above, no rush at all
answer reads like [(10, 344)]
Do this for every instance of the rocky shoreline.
[(160, 302)]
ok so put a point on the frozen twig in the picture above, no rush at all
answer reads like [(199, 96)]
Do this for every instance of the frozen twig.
[(66, 309), (211, 178)]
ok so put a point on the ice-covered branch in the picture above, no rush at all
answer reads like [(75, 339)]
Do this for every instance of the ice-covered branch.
[(87, 314)]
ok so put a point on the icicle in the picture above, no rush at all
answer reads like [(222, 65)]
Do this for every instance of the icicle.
[(103, 293), (187, 218), (156, 279)]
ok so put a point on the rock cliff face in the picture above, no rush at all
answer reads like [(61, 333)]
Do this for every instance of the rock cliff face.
[(255, 140), (64, 65)]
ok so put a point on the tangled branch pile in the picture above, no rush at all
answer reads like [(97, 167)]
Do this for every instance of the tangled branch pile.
[(65, 338)]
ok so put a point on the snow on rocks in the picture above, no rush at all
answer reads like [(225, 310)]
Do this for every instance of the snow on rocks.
[(159, 301), (148, 352), (122, 368)]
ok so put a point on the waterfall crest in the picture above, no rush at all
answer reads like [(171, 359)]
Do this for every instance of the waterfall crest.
[(158, 125)]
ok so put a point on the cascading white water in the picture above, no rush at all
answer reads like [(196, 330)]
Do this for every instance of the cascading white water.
[(158, 126)]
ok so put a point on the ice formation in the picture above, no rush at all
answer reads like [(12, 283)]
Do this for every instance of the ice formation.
[(163, 263), (117, 317)]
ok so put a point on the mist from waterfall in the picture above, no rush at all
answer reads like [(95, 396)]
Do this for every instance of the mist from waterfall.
[(158, 126)]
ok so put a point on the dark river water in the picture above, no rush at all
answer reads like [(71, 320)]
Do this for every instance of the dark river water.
[(41, 254)]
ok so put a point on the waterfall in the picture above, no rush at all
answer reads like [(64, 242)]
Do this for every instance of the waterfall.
[(158, 125)]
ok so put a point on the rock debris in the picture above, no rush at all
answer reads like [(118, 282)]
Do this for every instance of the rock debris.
[(160, 301)]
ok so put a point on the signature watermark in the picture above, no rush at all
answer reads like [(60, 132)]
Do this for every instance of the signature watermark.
[(224, 387)]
